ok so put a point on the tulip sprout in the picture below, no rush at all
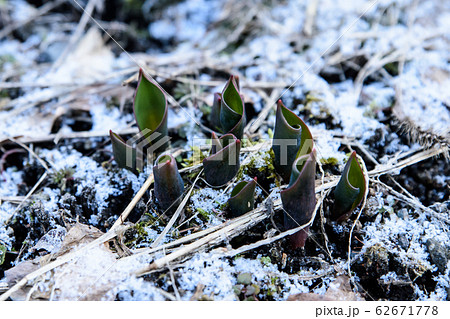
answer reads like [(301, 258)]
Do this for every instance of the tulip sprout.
[(299, 198), (150, 110), (291, 139), (222, 164), (350, 189), (124, 154), (242, 198), (169, 185), (228, 110), (294, 157)]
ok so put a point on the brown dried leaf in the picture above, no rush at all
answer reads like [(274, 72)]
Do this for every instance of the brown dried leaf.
[(339, 290), (78, 234)]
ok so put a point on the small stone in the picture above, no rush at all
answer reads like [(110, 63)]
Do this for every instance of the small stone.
[(44, 57), (438, 254), (252, 290), (237, 289), (244, 278), (403, 241), (403, 213)]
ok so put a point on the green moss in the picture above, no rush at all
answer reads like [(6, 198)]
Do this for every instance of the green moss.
[(138, 233), (329, 161), (61, 176), (316, 111), (222, 206), (4, 94), (266, 261), (251, 298), (255, 169), (312, 98), (272, 287), (246, 142), (269, 163), (195, 159), (386, 209), (2, 254), (203, 213), (140, 228)]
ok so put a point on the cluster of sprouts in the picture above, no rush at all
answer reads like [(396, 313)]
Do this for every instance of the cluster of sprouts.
[(292, 145)]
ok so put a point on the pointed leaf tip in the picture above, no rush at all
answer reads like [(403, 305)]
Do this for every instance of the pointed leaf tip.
[(291, 139), (350, 190), (232, 110), (169, 185), (150, 110), (236, 81)]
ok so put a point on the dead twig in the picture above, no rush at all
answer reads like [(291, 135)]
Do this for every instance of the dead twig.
[(270, 240), (413, 202), (175, 215), (44, 9), (133, 203), (58, 137), (217, 234), (392, 166), (77, 34), (172, 279), (60, 261), (236, 226), (311, 12)]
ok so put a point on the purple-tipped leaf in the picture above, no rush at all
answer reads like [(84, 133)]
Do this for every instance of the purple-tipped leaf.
[(150, 110), (242, 198), (291, 139), (223, 162), (299, 198), (350, 189), (232, 109), (169, 185)]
